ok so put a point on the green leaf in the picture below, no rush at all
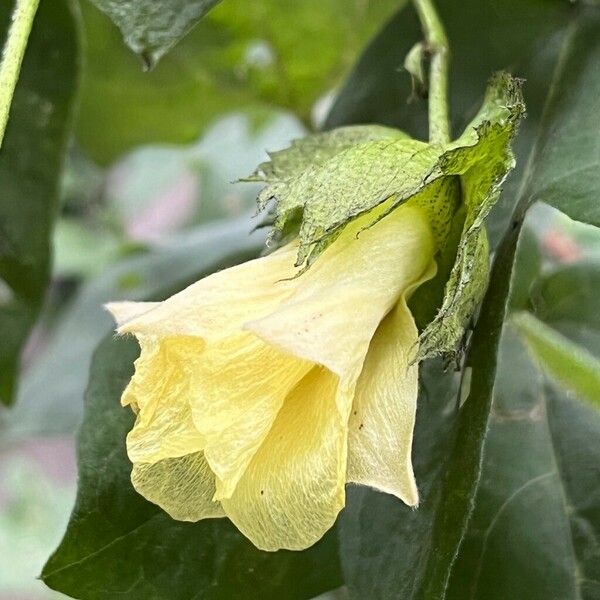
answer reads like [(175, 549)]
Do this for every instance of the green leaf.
[(150, 28), (241, 56), (567, 363), (118, 544), (30, 166), (530, 32), (535, 524)]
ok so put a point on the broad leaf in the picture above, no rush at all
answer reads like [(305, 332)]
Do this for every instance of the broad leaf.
[(152, 27), (117, 543), (382, 538), (30, 166)]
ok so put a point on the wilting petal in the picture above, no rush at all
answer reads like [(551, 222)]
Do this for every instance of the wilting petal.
[(242, 385), (293, 488), (218, 305), (161, 390), (183, 486), (332, 316), (383, 412)]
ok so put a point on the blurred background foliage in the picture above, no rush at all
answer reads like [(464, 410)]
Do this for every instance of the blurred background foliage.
[(145, 204)]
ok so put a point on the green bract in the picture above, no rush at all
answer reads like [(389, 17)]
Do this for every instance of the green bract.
[(322, 182)]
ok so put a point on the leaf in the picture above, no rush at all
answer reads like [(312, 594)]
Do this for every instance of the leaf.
[(568, 364), (535, 524), (119, 544), (30, 166), (150, 28), (50, 398), (241, 56), (463, 478), (376, 90)]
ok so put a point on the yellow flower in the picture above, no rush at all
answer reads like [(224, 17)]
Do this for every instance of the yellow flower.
[(259, 395)]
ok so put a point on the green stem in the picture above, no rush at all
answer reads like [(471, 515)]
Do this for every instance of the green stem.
[(12, 55), (437, 47)]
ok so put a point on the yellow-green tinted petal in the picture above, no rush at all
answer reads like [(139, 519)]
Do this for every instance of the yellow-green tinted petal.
[(183, 486), (380, 429), (332, 316), (218, 305), (293, 488), (161, 389), (242, 385)]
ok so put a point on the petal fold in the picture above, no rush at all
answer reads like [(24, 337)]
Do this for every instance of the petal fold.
[(332, 316), (293, 489), (380, 430), (183, 487)]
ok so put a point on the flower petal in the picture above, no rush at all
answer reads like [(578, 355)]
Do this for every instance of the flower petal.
[(182, 486), (161, 390), (242, 385), (127, 310), (380, 429), (293, 488), (332, 316), (218, 305)]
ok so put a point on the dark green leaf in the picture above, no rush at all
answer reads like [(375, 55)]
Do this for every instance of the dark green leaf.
[(520, 36), (30, 166), (119, 545), (536, 521), (152, 27)]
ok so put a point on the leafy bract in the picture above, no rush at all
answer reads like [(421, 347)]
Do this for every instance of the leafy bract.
[(30, 166), (483, 158), (331, 178)]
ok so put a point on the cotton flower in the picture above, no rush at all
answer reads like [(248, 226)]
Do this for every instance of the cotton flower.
[(259, 393)]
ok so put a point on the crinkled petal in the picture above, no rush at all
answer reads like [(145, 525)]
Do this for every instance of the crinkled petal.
[(380, 429), (183, 487), (161, 390), (217, 306), (293, 488), (242, 383), (332, 316)]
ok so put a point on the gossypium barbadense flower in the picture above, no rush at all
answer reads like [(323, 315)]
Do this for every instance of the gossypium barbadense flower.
[(263, 389)]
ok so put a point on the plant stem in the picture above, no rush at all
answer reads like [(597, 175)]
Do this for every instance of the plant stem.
[(12, 55), (437, 47)]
